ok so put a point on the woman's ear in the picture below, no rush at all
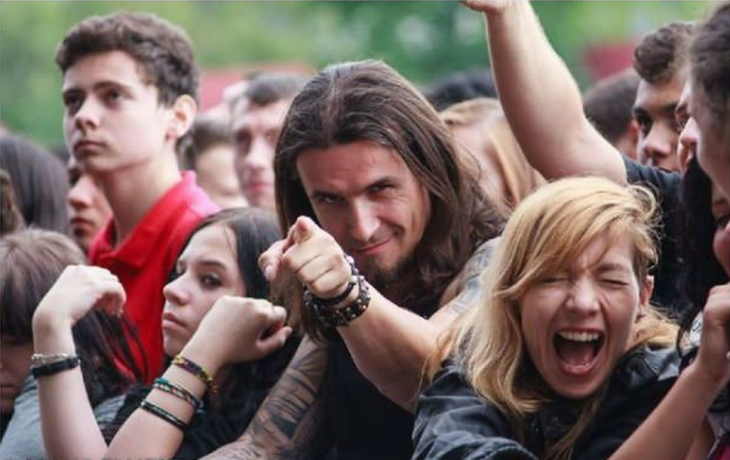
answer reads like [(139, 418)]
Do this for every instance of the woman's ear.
[(645, 290), (183, 114)]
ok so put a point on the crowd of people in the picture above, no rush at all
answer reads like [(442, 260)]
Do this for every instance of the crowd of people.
[(347, 266)]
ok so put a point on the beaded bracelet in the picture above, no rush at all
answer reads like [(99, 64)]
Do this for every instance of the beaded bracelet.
[(178, 390), (196, 370), (163, 414)]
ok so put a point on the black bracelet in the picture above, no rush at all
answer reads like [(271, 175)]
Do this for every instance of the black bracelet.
[(164, 415), (45, 370), (332, 301)]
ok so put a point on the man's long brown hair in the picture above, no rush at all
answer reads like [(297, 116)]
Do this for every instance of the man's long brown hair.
[(370, 101)]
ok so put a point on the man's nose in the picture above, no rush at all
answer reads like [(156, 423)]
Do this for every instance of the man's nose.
[(363, 221), (87, 115)]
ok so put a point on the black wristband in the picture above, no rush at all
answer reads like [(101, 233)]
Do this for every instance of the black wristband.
[(54, 368), (332, 301), (154, 409)]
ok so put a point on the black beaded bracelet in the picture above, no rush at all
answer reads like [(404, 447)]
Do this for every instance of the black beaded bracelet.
[(154, 409), (45, 370)]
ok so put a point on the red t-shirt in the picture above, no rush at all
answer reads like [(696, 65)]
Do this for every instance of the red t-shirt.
[(144, 259)]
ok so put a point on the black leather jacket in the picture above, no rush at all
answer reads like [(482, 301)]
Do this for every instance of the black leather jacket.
[(453, 422)]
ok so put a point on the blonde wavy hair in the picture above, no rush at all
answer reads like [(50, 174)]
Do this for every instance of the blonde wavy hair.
[(499, 144), (546, 232)]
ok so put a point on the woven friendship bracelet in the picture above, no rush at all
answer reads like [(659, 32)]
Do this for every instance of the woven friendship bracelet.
[(180, 391), (154, 409), (202, 375)]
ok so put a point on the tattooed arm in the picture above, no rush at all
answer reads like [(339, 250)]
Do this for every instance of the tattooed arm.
[(464, 291), (289, 423)]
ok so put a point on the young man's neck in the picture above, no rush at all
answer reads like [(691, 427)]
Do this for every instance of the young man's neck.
[(133, 191)]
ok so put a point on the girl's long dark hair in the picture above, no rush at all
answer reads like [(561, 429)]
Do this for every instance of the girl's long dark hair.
[(30, 263), (703, 270)]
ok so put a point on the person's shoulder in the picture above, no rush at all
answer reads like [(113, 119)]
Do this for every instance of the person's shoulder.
[(637, 173)]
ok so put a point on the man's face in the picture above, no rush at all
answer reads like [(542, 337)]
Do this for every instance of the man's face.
[(654, 112), (112, 119), (713, 146), (87, 207), (689, 134), (366, 197), (256, 131)]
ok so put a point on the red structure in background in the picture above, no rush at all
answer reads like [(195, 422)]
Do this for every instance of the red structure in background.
[(602, 60), (214, 81)]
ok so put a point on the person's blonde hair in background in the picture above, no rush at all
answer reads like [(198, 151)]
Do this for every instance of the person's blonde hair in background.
[(545, 235), (481, 129)]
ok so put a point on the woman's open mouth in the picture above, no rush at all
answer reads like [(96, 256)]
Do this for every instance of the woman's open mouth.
[(577, 351)]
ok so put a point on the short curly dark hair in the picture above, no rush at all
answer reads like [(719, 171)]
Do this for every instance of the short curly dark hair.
[(163, 51), (661, 53), (710, 57)]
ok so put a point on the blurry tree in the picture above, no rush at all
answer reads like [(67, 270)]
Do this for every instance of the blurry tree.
[(423, 40)]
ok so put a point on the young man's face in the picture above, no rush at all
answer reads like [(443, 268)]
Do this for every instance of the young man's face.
[(256, 131), (368, 199), (112, 119), (654, 112)]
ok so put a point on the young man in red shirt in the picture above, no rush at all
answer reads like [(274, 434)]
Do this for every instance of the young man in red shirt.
[(129, 91)]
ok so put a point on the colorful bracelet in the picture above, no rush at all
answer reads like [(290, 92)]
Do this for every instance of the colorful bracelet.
[(163, 414), (180, 391), (196, 370), (55, 367)]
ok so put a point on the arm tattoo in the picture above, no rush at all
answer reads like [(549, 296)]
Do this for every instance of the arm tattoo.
[(288, 423), (470, 279)]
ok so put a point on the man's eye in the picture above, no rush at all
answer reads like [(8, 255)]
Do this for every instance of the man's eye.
[(327, 199), (113, 95), (644, 124), (72, 102)]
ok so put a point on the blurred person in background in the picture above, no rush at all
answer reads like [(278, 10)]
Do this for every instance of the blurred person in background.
[(39, 181), (211, 155), (482, 132), (608, 105), (258, 115), (87, 207)]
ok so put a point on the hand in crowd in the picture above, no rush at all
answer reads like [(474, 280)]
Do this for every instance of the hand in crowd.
[(79, 289), (238, 329), (312, 255), (487, 6), (712, 358)]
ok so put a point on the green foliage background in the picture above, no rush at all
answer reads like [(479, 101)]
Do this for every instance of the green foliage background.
[(424, 40)]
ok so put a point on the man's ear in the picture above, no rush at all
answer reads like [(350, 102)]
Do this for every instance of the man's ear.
[(645, 291), (183, 114)]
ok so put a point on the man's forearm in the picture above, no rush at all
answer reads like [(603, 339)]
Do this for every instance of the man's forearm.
[(288, 425)]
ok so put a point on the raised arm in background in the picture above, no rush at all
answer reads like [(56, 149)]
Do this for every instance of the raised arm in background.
[(540, 98)]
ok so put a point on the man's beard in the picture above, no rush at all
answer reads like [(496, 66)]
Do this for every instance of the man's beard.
[(382, 278)]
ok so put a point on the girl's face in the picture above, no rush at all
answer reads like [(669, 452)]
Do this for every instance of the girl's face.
[(577, 323), (14, 368), (206, 270)]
